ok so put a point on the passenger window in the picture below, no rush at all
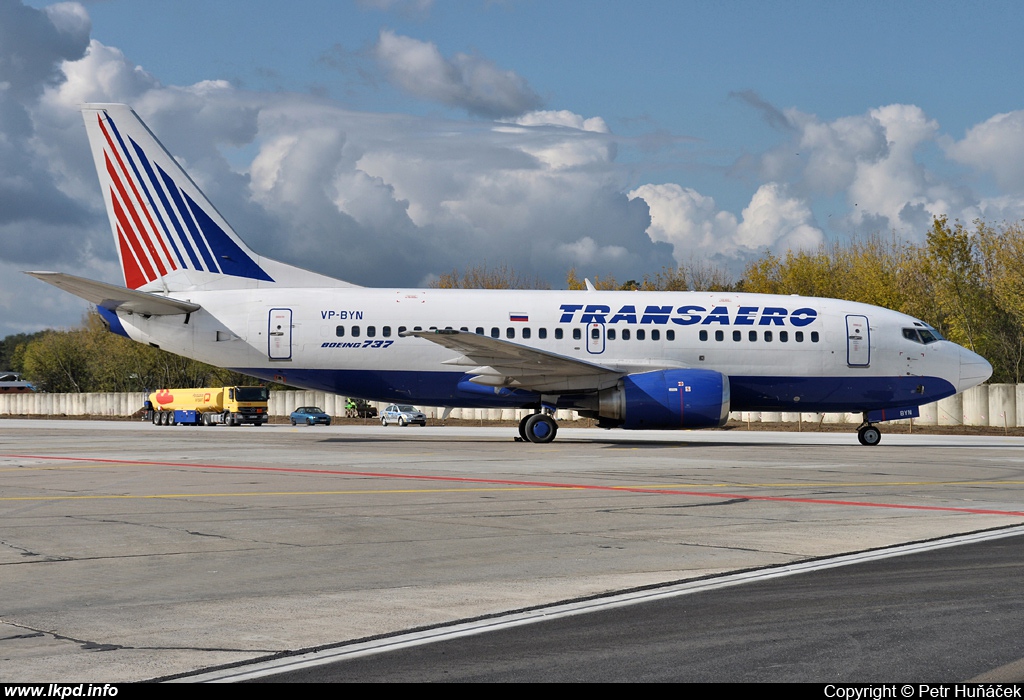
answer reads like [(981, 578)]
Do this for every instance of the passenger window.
[(655, 334), (558, 334), (479, 330), (703, 335), (386, 331), (402, 329), (464, 329), (611, 334), (737, 336), (340, 331), (670, 335), (510, 333), (752, 336), (576, 334), (526, 332), (355, 331), (595, 333), (495, 332), (814, 336), (719, 335), (625, 334), (641, 334), (767, 336), (371, 331), (783, 336), (542, 333), (798, 336), (417, 328)]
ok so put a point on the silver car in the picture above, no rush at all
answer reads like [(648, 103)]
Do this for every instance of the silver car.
[(403, 414)]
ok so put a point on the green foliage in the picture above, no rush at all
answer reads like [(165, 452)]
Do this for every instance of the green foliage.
[(12, 350), (90, 358)]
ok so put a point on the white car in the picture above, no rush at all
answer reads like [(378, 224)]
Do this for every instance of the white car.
[(402, 414)]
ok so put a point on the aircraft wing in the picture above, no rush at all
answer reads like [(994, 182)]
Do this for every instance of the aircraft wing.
[(497, 362), (112, 297)]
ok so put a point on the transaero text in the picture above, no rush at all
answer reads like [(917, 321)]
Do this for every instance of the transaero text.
[(689, 315)]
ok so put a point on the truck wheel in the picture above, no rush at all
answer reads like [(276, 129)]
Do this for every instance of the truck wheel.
[(156, 417)]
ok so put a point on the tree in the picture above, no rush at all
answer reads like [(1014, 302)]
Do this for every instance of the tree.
[(482, 277), (90, 358)]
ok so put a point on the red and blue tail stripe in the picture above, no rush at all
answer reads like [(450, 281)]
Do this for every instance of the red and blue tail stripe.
[(144, 198)]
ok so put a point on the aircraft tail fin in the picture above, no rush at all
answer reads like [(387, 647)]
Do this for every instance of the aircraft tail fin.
[(169, 236)]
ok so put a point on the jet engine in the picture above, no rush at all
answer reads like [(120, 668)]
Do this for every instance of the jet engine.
[(666, 400)]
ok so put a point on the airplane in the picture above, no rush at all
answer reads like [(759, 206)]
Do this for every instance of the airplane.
[(630, 359)]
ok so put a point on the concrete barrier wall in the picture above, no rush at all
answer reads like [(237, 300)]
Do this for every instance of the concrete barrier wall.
[(994, 405)]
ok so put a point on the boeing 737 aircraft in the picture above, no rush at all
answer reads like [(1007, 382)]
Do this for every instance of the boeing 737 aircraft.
[(634, 360)]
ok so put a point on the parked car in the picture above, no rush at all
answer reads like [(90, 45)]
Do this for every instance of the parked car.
[(310, 415), (402, 414)]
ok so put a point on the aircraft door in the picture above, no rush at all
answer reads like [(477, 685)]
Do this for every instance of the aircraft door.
[(858, 341), (279, 334), (595, 338)]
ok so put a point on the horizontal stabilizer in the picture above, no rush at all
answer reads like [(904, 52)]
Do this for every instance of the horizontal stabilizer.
[(115, 298)]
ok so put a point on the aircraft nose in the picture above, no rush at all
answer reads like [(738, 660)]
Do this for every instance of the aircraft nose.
[(974, 369)]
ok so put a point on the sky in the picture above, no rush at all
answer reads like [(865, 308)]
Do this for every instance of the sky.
[(386, 142)]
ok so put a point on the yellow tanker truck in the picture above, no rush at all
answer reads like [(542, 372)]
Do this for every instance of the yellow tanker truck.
[(228, 405)]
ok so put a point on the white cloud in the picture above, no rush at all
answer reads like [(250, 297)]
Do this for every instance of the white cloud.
[(465, 81), (995, 146), (695, 227), (875, 162)]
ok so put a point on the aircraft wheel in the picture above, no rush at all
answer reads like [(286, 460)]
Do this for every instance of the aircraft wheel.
[(522, 427), (401, 422), (540, 428), (869, 435)]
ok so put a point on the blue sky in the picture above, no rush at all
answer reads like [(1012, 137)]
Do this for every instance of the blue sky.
[(388, 141)]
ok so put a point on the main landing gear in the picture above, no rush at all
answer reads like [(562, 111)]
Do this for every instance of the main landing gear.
[(869, 434), (537, 427)]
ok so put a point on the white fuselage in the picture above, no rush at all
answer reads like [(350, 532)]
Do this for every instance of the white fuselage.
[(779, 352)]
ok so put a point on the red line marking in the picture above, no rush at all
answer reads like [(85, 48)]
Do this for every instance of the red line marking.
[(543, 484)]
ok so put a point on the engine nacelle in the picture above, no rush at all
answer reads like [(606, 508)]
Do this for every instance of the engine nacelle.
[(666, 400)]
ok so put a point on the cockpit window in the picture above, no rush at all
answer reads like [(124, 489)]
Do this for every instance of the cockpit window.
[(922, 335)]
